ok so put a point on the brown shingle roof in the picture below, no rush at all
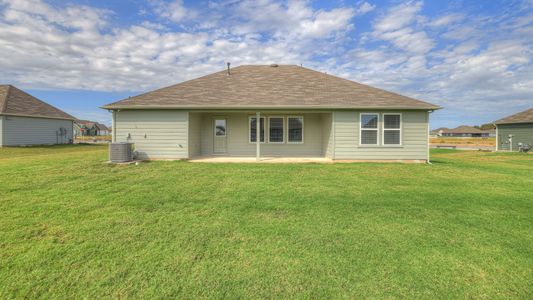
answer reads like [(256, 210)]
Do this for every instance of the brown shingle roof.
[(91, 124), (521, 117), (284, 86), (16, 102), (463, 129)]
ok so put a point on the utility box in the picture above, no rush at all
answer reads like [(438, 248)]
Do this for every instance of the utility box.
[(120, 152)]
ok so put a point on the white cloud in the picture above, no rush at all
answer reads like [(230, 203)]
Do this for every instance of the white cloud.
[(446, 20), (397, 26), (174, 10), (398, 16), (364, 7), (458, 59), (293, 20)]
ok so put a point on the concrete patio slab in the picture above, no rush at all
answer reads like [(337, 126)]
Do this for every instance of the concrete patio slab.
[(235, 159)]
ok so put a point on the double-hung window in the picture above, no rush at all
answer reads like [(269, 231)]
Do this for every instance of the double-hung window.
[(253, 129), (276, 129), (295, 129), (369, 129), (392, 129)]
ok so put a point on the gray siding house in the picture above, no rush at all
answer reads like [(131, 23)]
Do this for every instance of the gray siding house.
[(513, 130), (301, 113), (26, 120)]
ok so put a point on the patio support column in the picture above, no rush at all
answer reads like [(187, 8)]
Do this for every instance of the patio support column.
[(257, 136), (114, 129)]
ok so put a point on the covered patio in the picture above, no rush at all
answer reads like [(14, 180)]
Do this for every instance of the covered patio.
[(285, 136)]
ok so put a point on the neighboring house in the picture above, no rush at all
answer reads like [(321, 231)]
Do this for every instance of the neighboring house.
[(302, 113), (90, 128), (26, 120), (465, 131), (437, 132), (514, 129)]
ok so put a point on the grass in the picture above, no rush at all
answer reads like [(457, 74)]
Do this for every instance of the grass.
[(490, 141), (74, 227)]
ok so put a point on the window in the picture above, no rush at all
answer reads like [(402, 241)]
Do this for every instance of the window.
[(392, 129), (295, 129), (369, 129), (275, 129), (253, 129), (220, 127)]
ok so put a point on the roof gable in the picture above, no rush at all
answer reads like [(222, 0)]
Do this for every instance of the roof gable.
[(521, 117), (17, 102), (282, 86)]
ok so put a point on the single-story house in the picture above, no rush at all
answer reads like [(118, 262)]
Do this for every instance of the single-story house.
[(26, 120), (465, 131), (301, 113), (438, 132), (90, 128), (514, 129)]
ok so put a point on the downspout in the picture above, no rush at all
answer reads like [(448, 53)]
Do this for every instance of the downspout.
[(258, 136), (428, 161)]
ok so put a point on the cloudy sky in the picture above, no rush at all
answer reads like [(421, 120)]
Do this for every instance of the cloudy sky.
[(474, 58)]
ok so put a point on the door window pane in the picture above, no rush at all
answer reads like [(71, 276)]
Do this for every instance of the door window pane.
[(220, 127)]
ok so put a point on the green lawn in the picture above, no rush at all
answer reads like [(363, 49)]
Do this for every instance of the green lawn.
[(72, 226)]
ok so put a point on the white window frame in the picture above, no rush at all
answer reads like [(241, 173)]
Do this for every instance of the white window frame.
[(361, 129), (215, 127), (303, 129), (397, 129), (282, 129), (250, 129)]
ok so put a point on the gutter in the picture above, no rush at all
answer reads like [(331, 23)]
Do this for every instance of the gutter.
[(275, 107), (32, 116)]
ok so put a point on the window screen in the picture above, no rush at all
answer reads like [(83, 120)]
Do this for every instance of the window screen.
[(295, 129), (253, 130), (275, 130), (392, 129)]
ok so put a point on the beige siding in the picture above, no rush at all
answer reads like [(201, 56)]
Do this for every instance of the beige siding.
[(327, 136), (522, 133), (414, 137), (237, 136), (157, 134), (20, 131), (195, 123)]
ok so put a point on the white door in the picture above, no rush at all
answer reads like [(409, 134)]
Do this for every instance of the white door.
[(220, 136)]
